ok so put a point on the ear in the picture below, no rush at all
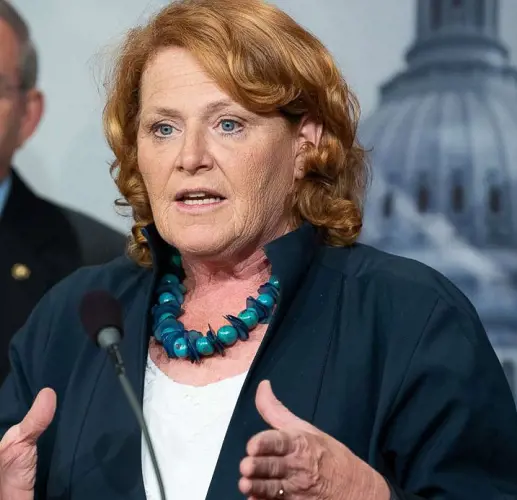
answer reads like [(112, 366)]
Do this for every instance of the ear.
[(308, 136), (33, 111)]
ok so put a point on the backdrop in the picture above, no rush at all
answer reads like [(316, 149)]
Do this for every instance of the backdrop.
[(438, 87)]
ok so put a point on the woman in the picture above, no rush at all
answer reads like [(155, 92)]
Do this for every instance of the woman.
[(234, 137)]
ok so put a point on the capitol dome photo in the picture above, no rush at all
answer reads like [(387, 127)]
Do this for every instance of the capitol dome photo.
[(443, 144)]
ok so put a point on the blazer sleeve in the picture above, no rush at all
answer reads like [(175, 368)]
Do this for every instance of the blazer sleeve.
[(452, 431)]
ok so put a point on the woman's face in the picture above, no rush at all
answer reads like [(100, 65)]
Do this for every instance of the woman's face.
[(217, 175)]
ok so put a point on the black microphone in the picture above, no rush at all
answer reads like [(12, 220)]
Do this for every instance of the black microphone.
[(101, 315)]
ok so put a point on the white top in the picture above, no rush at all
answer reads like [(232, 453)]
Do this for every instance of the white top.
[(187, 426)]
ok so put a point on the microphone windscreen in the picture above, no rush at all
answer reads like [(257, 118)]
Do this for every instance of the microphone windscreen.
[(98, 310)]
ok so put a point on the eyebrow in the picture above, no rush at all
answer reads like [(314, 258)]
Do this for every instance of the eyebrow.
[(211, 108)]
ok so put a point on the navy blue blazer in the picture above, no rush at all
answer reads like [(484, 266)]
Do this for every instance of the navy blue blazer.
[(381, 352)]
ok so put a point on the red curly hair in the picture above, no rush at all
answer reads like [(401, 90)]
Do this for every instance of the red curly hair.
[(265, 61)]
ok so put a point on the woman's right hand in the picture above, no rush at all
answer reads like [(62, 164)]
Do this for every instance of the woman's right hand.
[(18, 452)]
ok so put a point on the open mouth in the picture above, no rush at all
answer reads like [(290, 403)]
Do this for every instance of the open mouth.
[(199, 197)]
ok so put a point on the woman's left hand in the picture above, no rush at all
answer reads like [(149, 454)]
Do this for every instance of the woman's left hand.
[(294, 460)]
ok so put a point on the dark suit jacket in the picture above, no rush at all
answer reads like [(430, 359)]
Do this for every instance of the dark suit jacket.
[(40, 244), (381, 352)]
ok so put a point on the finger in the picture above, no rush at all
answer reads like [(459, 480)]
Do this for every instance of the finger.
[(264, 467), (39, 416), (262, 488), (274, 412), (270, 443)]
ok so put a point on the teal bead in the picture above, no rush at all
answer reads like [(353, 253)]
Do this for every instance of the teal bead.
[(178, 295), (165, 316), (170, 279), (176, 259), (182, 288), (204, 346), (266, 300), (168, 326), (250, 317), (275, 282), (166, 297), (227, 335), (180, 348), (193, 335)]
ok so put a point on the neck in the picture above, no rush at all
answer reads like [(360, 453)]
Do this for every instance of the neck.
[(246, 267), (207, 274)]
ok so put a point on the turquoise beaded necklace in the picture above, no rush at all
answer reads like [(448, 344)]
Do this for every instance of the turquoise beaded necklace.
[(179, 342)]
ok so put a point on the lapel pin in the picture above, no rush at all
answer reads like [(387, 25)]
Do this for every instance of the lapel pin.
[(20, 272)]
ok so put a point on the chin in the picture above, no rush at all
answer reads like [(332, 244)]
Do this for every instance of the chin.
[(202, 242)]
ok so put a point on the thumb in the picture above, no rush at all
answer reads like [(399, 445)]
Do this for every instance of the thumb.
[(274, 412), (39, 416)]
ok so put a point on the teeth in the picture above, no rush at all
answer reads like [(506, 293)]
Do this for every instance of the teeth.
[(201, 201), (196, 195)]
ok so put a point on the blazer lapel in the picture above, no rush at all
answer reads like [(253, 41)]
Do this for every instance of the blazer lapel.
[(284, 362), (290, 258)]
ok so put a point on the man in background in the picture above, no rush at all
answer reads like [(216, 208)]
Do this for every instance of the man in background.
[(40, 243)]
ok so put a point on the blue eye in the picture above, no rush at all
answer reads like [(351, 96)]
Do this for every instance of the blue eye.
[(164, 130), (229, 126)]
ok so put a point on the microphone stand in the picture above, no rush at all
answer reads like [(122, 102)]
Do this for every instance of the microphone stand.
[(114, 354)]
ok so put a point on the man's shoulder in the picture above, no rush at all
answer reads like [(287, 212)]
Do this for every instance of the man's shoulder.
[(98, 242), (43, 222), (84, 223), (26, 208)]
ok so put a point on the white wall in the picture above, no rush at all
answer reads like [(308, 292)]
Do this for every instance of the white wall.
[(67, 160)]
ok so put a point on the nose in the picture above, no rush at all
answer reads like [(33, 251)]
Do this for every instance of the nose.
[(194, 154)]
